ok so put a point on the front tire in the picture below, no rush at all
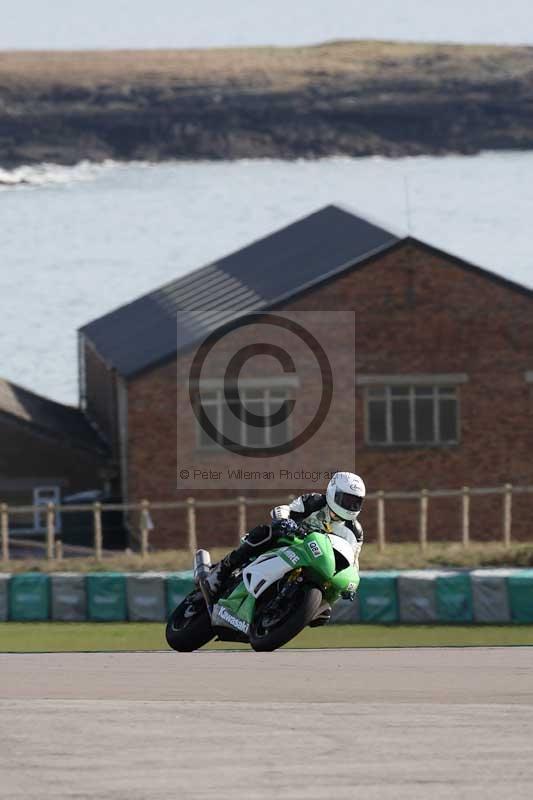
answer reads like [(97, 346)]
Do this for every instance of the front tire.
[(189, 625), (265, 639)]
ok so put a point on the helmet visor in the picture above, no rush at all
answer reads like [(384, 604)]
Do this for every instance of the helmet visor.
[(350, 502)]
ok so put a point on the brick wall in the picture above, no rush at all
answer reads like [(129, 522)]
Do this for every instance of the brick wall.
[(100, 397), (416, 312)]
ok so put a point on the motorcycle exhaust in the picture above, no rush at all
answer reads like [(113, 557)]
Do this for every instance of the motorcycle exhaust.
[(202, 565), (202, 568)]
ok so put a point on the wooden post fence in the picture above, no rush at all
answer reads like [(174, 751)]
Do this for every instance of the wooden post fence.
[(466, 516), (423, 521), (145, 526), (97, 526), (4, 531), (50, 532), (381, 520), (46, 517), (191, 524), (242, 517), (507, 514)]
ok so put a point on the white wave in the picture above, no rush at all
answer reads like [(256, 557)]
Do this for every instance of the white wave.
[(46, 174)]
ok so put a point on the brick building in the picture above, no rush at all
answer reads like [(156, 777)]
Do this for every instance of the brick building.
[(440, 365)]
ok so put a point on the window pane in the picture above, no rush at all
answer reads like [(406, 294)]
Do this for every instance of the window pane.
[(207, 412), (424, 391), (275, 401), (376, 392), (399, 391), (401, 428), (377, 421), (231, 424), (255, 435), (280, 434), (447, 391), (424, 423), (448, 420)]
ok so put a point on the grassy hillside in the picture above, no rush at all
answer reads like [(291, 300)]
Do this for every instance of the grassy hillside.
[(354, 98)]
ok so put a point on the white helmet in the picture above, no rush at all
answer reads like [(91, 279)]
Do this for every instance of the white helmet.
[(345, 495)]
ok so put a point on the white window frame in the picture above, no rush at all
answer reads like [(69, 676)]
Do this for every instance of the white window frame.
[(42, 495), (385, 383), (269, 388)]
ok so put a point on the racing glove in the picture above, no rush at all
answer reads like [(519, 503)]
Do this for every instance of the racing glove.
[(348, 596), (284, 527)]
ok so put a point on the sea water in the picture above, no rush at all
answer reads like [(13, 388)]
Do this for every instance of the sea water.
[(77, 242)]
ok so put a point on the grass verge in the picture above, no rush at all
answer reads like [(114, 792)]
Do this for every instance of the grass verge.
[(395, 556), (91, 636)]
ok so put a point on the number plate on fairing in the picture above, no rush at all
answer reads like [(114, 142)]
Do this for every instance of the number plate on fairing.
[(315, 549)]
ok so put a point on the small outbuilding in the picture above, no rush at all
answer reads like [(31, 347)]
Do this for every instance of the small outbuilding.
[(47, 451)]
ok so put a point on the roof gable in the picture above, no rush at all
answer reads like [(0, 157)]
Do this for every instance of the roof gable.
[(482, 272), (48, 417), (266, 272)]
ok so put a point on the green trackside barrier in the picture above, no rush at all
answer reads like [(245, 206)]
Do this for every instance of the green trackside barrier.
[(454, 598), (490, 596), (4, 596), (481, 596), (520, 588), (178, 586), (145, 594), (29, 597), (378, 597), (106, 597)]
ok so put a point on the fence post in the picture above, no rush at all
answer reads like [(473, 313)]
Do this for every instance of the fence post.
[(466, 516), (97, 524), (507, 514), (59, 550), (242, 517), (145, 526), (50, 531), (4, 527), (191, 524), (423, 522), (381, 521)]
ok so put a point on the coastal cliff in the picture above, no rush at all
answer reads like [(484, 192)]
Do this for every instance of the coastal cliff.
[(346, 98)]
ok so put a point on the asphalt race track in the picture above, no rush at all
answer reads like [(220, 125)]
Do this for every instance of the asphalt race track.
[(379, 724)]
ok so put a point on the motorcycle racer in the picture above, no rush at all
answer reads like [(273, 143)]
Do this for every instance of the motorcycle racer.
[(334, 512)]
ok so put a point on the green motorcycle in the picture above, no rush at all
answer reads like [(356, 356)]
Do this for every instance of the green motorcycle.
[(271, 599)]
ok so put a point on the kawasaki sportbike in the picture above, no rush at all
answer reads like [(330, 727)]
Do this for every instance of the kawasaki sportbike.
[(271, 599)]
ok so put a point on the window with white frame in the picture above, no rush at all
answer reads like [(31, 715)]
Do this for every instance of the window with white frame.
[(42, 495), (230, 420), (412, 415)]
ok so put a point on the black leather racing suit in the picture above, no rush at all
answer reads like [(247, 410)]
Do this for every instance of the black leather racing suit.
[(311, 512)]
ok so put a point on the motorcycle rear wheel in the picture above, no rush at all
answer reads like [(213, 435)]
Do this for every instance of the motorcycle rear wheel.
[(188, 633), (265, 639)]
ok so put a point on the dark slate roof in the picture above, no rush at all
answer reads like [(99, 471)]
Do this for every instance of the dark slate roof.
[(47, 417), (270, 270)]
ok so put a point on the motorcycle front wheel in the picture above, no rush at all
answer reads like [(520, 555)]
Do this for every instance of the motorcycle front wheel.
[(189, 625), (274, 625)]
